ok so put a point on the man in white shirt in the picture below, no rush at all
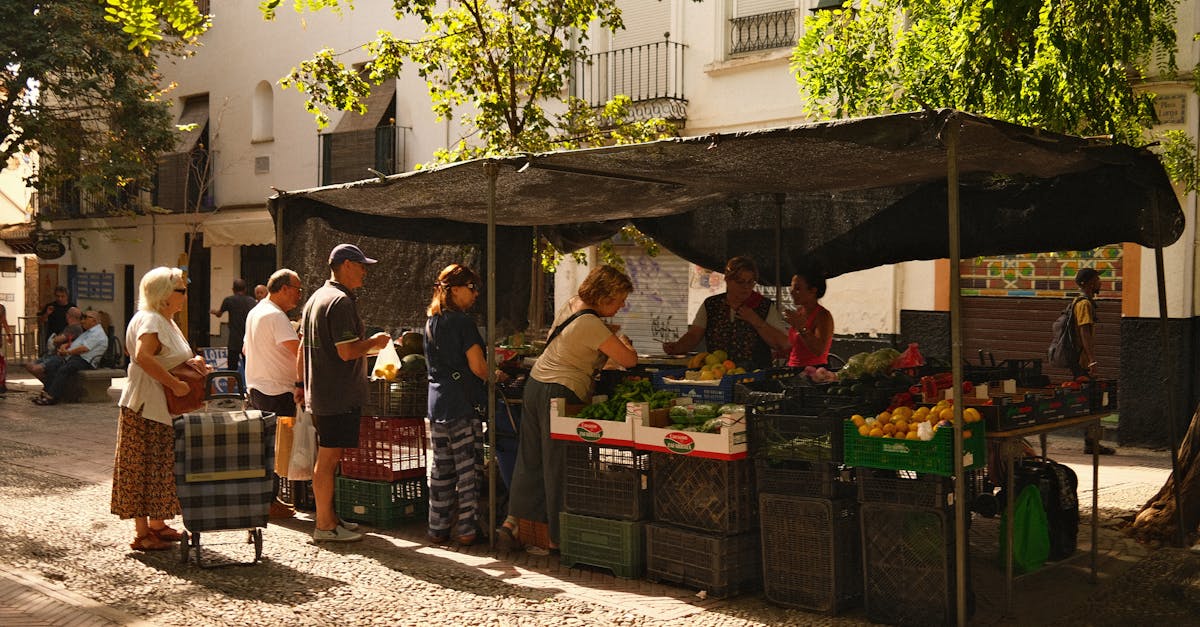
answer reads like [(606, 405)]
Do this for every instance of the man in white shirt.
[(270, 347), (81, 354)]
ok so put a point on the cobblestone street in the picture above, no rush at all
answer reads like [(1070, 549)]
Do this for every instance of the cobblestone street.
[(60, 547)]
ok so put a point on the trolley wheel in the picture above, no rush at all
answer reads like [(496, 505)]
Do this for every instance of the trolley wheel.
[(257, 535), (184, 547)]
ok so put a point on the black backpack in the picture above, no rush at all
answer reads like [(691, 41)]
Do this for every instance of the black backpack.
[(1058, 485), (1064, 351), (114, 355)]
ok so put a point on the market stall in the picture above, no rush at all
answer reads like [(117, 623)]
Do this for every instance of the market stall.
[(854, 193)]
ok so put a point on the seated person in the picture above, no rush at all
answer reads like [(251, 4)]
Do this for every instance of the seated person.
[(64, 338), (82, 354)]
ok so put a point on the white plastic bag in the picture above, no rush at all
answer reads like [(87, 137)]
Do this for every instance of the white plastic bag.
[(387, 363), (304, 448)]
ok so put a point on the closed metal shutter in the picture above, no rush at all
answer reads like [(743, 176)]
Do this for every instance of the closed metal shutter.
[(656, 311), (758, 7), (1019, 328), (645, 22)]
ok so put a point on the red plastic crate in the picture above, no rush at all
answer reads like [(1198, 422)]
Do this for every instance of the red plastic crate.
[(533, 533), (389, 449)]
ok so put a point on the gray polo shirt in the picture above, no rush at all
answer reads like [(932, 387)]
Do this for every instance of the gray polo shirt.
[(332, 385)]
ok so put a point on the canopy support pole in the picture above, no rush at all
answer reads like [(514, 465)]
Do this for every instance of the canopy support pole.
[(1168, 365), (492, 170), (779, 251), (950, 138)]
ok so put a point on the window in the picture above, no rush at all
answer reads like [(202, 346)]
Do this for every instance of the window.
[(262, 121), (756, 25)]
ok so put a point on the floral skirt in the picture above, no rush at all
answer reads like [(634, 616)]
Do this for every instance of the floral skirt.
[(144, 469)]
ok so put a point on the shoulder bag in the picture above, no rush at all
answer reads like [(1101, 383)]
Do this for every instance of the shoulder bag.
[(194, 399)]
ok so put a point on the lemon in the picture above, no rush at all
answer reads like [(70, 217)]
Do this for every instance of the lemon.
[(971, 414), (946, 414)]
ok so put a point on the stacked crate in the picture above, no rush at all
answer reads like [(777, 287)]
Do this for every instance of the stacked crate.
[(606, 498), (809, 519), (382, 482)]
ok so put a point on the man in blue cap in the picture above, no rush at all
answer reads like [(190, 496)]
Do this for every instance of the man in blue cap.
[(332, 375)]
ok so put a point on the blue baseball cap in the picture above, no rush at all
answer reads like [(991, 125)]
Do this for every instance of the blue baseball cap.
[(348, 252)]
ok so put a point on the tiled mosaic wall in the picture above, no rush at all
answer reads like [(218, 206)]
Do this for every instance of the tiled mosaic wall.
[(1041, 275)]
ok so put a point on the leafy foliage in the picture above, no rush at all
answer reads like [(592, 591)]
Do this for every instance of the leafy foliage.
[(1064, 65), (146, 22), (73, 90)]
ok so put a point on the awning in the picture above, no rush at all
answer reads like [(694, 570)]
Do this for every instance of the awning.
[(378, 103), (18, 237), (238, 228), (195, 111)]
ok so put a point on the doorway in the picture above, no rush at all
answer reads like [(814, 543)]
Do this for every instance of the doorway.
[(199, 290)]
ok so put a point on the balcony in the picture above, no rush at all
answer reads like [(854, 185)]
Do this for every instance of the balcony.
[(66, 201), (353, 155), (764, 31), (650, 74)]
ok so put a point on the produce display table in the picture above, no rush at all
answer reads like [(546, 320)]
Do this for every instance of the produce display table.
[(1011, 450)]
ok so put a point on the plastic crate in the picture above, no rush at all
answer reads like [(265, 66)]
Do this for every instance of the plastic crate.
[(782, 431), (606, 481), (617, 545), (380, 503), (533, 533), (389, 449), (908, 565), (1076, 402), (704, 494), (903, 487), (298, 494), (811, 479), (933, 456), (716, 392), (402, 398), (722, 566), (1027, 372), (811, 552)]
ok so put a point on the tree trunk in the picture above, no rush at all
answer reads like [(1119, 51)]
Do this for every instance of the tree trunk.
[(1158, 518)]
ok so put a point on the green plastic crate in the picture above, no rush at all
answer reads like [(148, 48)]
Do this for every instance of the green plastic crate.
[(381, 503), (617, 545), (934, 456)]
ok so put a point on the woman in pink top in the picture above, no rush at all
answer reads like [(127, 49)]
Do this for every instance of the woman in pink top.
[(811, 332)]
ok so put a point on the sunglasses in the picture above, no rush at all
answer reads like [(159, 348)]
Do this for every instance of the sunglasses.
[(298, 288), (181, 290), (470, 286)]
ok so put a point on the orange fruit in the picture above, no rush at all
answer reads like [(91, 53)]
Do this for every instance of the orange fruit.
[(858, 420), (912, 435), (728, 364), (966, 434), (864, 430), (884, 417), (889, 429), (876, 432), (971, 414), (901, 426), (946, 414)]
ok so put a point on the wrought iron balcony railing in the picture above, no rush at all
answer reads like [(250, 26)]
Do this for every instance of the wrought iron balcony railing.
[(650, 74), (67, 201), (764, 31), (352, 155)]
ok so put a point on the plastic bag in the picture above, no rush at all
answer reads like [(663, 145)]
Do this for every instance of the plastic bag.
[(304, 448), (1031, 533), (285, 428), (387, 363), (910, 358)]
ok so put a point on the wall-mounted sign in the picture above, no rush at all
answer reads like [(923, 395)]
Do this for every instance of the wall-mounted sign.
[(49, 249), (1171, 108)]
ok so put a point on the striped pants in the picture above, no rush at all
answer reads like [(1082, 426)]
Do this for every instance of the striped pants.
[(457, 447)]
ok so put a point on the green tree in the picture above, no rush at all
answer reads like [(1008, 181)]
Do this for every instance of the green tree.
[(1072, 66), (498, 65), (72, 89)]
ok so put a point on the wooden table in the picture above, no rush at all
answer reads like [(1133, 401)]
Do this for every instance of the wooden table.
[(1011, 449)]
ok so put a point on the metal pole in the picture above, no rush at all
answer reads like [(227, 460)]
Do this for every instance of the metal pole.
[(1172, 427), (950, 137), (492, 170), (779, 250)]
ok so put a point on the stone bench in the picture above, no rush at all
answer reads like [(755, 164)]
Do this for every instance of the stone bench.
[(91, 386)]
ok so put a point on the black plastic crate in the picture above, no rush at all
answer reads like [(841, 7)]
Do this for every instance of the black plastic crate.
[(704, 494), (298, 494), (786, 431), (914, 489), (722, 566), (811, 479), (811, 552), (908, 565), (401, 398), (606, 481), (1103, 394)]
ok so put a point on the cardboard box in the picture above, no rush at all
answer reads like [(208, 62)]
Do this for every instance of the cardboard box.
[(565, 426), (652, 433)]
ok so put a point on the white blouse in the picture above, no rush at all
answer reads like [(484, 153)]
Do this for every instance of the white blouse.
[(143, 392)]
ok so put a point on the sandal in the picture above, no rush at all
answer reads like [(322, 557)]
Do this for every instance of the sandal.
[(437, 538), (149, 542), (43, 401), (466, 540), (166, 534)]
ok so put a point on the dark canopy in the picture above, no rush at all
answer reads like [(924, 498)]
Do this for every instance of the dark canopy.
[(848, 194)]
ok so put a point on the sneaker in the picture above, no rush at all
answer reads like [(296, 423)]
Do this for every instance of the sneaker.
[(337, 534), (347, 525), (1104, 450)]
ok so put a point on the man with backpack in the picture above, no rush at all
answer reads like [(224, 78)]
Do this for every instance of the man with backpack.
[(1085, 333)]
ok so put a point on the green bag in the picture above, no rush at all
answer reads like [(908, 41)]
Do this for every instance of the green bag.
[(1031, 533)]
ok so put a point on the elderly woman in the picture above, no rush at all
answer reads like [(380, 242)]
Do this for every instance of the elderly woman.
[(457, 373), (143, 471), (579, 343), (742, 322)]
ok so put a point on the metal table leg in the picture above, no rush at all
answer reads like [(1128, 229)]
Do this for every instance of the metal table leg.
[(1009, 449), (1095, 432)]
